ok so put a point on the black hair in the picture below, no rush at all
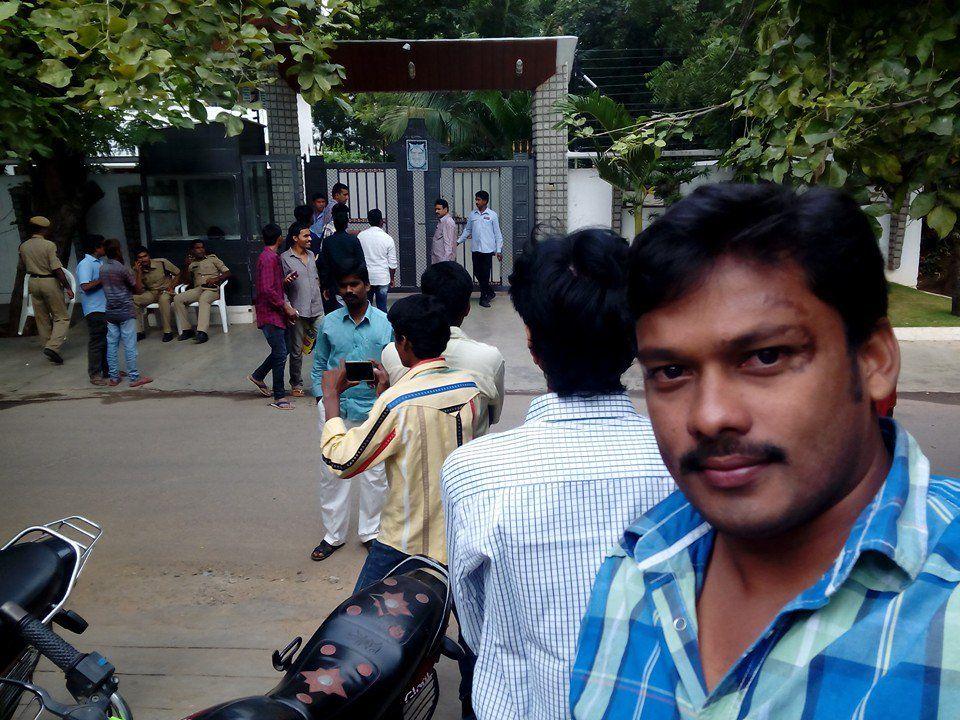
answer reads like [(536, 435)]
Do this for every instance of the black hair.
[(375, 217), (449, 283), (483, 195), (136, 250), (318, 196), (297, 228), (271, 232), (112, 249), (570, 292), (822, 230), (341, 218), (357, 268), (199, 241), (303, 214), (422, 320), (338, 188), (442, 203), (91, 243)]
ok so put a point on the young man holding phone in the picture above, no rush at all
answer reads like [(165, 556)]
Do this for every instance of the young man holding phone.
[(357, 332)]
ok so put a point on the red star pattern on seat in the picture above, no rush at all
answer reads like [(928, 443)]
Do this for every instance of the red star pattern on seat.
[(395, 604), (327, 682)]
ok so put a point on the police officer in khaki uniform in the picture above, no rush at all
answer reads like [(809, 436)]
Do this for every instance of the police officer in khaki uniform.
[(205, 273), (159, 277), (38, 256)]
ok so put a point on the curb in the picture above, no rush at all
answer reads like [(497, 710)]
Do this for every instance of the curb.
[(927, 334)]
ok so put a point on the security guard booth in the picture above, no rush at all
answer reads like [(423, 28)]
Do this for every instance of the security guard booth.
[(201, 185)]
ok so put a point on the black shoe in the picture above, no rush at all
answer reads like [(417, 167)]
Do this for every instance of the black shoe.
[(167, 337), (185, 335), (53, 356), (323, 551), (202, 337), (484, 302), (141, 336)]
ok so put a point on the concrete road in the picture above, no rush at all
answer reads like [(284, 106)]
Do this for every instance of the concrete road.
[(209, 511)]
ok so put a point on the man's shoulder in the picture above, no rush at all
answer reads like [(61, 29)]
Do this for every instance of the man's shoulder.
[(481, 350), (377, 316), (335, 316)]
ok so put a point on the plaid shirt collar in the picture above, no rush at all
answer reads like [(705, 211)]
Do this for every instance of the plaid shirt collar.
[(673, 536), (553, 408)]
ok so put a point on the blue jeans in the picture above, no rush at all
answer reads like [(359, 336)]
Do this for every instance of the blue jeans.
[(276, 360), (125, 332), (380, 296)]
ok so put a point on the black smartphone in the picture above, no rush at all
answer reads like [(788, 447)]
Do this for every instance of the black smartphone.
[(360, 371)]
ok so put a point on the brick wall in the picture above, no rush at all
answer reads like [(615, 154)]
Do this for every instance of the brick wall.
[(280, 102), (550, 152)]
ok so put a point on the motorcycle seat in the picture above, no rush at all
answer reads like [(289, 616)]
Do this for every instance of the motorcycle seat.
[(34, 575)]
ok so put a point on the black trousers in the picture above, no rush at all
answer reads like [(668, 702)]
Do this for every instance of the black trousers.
[(275, 361), (97, 344), (482, 265)]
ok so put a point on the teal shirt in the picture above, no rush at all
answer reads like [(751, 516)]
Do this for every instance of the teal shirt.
[(341, 339)]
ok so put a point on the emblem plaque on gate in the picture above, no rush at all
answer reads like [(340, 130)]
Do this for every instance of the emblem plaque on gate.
[(417, 155)]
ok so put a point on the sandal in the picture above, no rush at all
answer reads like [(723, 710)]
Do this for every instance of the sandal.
[(282, 405), (297, 392), (323, 551), (261, 385)]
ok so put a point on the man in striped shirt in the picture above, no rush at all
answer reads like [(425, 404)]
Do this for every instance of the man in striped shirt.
[(809, 570), (532, 511), (412, 428)]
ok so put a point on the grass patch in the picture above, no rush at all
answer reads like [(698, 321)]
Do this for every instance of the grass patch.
[(913, 308)]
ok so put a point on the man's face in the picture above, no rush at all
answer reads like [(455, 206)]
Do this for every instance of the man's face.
[(353, 290), (199, 251), (758, 406), (440, 210), (303, 239), (481, 204), (99, 252), (342, 197), (320, 204), (143, 259)]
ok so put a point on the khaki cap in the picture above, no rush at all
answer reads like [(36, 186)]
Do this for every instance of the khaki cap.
[(39, 221)]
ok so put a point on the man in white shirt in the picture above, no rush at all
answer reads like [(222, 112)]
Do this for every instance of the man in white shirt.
[(451, 284), (531, 512), (380, 255)]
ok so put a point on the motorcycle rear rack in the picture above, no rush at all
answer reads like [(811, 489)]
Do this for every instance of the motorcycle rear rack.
[(79, 533)]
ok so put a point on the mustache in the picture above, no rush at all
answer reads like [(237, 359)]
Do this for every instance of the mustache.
[(724, 445)]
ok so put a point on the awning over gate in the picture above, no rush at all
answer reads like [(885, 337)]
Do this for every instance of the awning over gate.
[(437, 65)]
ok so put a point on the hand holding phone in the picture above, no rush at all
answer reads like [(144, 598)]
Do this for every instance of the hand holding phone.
[(359, 371)]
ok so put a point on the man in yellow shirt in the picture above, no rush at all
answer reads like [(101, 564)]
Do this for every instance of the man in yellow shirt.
[(48, 283), (412, 428)]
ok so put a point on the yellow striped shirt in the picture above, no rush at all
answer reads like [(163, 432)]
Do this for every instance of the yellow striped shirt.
[(412, 428)]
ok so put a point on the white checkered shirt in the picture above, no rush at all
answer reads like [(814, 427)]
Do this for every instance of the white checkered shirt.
[(531, 514)]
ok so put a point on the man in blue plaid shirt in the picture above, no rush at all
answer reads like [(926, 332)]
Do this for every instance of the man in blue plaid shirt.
[(808, 568)]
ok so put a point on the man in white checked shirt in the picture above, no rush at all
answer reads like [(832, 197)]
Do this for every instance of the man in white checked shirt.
[(532, 512)]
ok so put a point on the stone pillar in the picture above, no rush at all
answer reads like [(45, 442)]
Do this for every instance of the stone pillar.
[(616, 215), (550, 144), (283, 130)]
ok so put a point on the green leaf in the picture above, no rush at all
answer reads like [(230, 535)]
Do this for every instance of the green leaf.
[(952, 197), (233, 124), (55, 73), (922, 204), (877, 209), (943, 125), (925, 47), (8, 9), (942, 219), (836, 175)]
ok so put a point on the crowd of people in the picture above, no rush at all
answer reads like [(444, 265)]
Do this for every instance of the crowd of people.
[(765, 544)]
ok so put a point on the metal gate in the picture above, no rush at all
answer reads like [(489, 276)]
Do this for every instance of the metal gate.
[(406, 198)]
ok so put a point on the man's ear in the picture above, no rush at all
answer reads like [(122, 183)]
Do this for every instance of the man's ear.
[(878, 360), (536, 360)]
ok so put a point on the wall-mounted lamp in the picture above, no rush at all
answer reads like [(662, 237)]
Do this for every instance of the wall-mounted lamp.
[(519, 67), (411, 70)]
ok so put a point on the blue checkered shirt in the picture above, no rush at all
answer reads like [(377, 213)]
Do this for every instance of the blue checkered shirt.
[(530, 515), (878, 636)]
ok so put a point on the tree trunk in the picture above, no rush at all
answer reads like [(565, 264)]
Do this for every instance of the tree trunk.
[(955, 304), (898, 228), (61, 190)]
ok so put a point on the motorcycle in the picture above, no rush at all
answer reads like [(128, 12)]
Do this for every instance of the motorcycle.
[(373, 658)]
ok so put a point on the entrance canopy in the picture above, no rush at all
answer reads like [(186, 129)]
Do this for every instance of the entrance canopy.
[(438, 65)]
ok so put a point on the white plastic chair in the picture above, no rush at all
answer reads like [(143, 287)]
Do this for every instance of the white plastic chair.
[(26, 310), (220, 304), (155, 306)]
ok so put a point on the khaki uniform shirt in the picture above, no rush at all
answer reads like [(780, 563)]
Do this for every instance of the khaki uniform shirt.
[(412, 428), (202, 270), (39, 255), (159, 275)]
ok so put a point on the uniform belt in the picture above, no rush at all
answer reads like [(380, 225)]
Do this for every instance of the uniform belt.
[(41, 276)]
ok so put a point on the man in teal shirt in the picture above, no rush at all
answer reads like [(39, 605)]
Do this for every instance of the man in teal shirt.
[(358, 331)]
